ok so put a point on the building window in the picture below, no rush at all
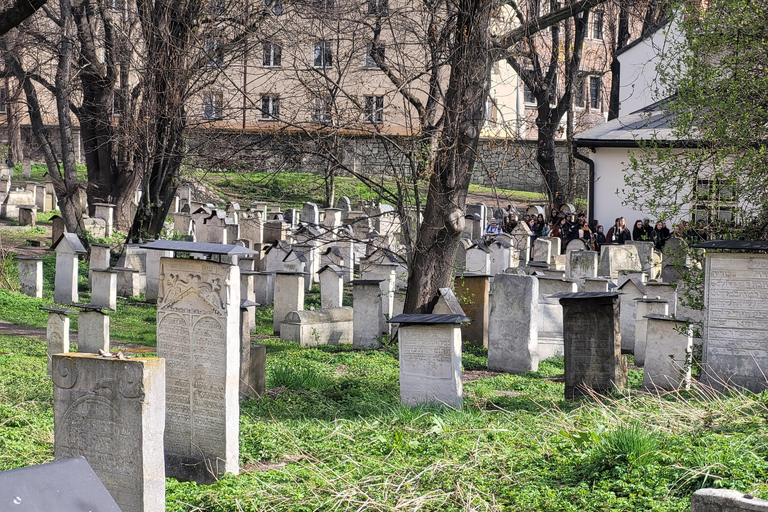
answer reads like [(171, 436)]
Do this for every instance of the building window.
[(272, 56), (715, 200), (213, 105), (528, 96), (374, 109), (378, 7), (321, 109), (595, 86), (212, 51), (270, 107), (370, 48), (578, 91), (597, 25), (274, 6), (323, 54), (117, 104)]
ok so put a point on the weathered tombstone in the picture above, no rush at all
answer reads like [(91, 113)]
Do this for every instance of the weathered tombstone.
[(624, 275), (128, 282), (481, 211), (104, 288), (549, 272), (57, 331), (646, 306), (245, 348), (344, 205), (593, 360), (65, 486), (30, 275), (513, 327), (666, 291), (668, 348), (331, 286), (430, 359), (521, 241), (366, 302), (310, 214), (502, 256), (40, 198), (542, 249), (614, 258), (27, 215), (550, 319), (264, 288), (198, 334), (92, 329), (67, 248), (152, 277), (596, 284), (736, 326), (288, 296), (99, 259), (247, 293), (478, 259), (26, 168), (332, 218), (318, 327), (726, 500), (473, 293), (386, 274), (111, 411), (631, 290), (645, 253), (473, 226), (258, 378), (58, 228), (578, 244), (106, 212)]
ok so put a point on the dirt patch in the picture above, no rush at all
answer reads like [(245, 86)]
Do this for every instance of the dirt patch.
[(470, 375), (23, 331)]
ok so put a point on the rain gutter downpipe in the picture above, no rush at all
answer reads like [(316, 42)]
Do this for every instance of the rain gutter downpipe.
[(591, 180)]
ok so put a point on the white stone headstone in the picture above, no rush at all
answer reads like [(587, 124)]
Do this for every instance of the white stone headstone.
[(513, 324), (669, 345), (645, 307)]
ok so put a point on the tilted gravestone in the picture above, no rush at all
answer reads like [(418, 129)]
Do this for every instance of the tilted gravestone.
[(513, 327)]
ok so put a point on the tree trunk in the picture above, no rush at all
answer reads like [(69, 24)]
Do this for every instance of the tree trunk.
[(469, 82), (546, 152), (622, 38)]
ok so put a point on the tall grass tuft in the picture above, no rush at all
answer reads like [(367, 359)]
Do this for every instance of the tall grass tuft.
[(631, 444)]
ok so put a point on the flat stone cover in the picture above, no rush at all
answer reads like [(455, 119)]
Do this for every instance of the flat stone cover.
[(64, 486)]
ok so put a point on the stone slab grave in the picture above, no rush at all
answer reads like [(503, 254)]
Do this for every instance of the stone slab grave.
[(593, 360), (258, 377), (198, 334), (521, 241), (726, 500), (331, 286), (596, 284), (27, 215), (550, 317), (478, 259), (588, 269), (542, 249), (513, 327), (68, 247), (366, 304), (246, 388), (92, 329), (104, 286), (666, 291), (473, 293), (386, 274), (57, 331), (152, 271), (736, 322), (630, 290), (30, 275), (646, 306), (247, 293), (502, 256), (289, 296), (130, 282), (318, 327), (650, 259), (668, 353), (68, 485), (111, 411), (430, 359), (447, 303), (98, 259), (614, 258), (264, 288)]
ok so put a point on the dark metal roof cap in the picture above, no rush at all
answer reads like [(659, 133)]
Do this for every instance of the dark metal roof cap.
[(366, 281), (417, 319), (58, 309), (92, 307), (585, 295), (736, 245), (670, 318)]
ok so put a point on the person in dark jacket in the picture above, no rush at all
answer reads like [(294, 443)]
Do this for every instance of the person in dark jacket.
[(618, 234), (638, 232)]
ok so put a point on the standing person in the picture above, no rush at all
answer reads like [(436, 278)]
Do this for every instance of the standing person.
[(659, 236), (493, 228), (583, 231), (638, 232), (618, 234), (599, 237), (648, 228)]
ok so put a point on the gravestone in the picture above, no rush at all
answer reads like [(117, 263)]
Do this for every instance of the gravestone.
[(247, 293), (27, 215), (258, 370), (473, 293), (106, 212), (596, 284), (542, 249), (263, 288), (111, 411), (481, 211), (318, 327), (644, 307), (310, 214), (366, 302), (245, 348), (152, 271), (668, 349), (646, 254), (26, 168), (513, 326), (736, 325), (198, 334), (666, 291), (67, 248), (430, 359), (57, 332), (550, 317), (289, 296), (502, 256), (447, 304), (344, 205), (331, 286), (521, 241), (30, 269), (128, 282), (578, 244), (593, 360), (386, 274), (58, 228), (726, 500), (478, 259), (104, 287), (99, 259), (631, 290), (92, 330), (615, 258), (40, 198)]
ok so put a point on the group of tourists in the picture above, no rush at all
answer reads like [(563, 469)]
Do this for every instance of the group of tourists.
[(569, 226)]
